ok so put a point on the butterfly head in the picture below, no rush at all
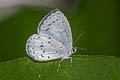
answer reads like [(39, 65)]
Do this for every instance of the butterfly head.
[(74, 50)]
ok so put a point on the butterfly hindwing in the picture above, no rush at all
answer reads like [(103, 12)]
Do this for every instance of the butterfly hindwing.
[(44, 47)]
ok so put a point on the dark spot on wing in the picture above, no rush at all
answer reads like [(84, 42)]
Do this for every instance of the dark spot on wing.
[(41, 46), (49, 17), (58, 13), (33, 52), (52, 34), (56, 51), (61, 47), (48, 56), (48, 41), (38, 37), (28, 46), (49, 37), (43, 51), (48, 24), (46, 29), (53, 22), (42, 55), (32, 47), (37, 58), (63, 22), (57, 19)]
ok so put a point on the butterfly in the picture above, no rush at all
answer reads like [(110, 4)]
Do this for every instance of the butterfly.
[(53, 39)]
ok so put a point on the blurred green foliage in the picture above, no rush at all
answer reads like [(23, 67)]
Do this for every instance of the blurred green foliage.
[(99, 19)]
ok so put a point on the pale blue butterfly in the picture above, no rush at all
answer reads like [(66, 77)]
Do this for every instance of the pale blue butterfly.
[(53, 40)]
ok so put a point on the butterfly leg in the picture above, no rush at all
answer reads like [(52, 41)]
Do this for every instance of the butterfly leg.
[(59, 64), (70, 61), (62, 60)]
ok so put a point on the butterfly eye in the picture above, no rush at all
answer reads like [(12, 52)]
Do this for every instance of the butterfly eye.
[(73, 50)]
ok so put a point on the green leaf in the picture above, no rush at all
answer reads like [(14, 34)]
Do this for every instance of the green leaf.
[(84, 68)]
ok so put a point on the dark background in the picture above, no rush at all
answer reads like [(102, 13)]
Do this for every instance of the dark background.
[(98, 19)]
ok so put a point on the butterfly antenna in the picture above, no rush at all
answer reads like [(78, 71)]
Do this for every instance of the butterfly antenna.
[(78, 37), (83, 49)]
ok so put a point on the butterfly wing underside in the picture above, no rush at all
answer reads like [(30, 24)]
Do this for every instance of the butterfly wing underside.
[(56, 25), (43, 47)]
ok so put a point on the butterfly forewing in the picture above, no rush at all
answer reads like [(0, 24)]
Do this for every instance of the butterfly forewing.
[(56, 25)]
